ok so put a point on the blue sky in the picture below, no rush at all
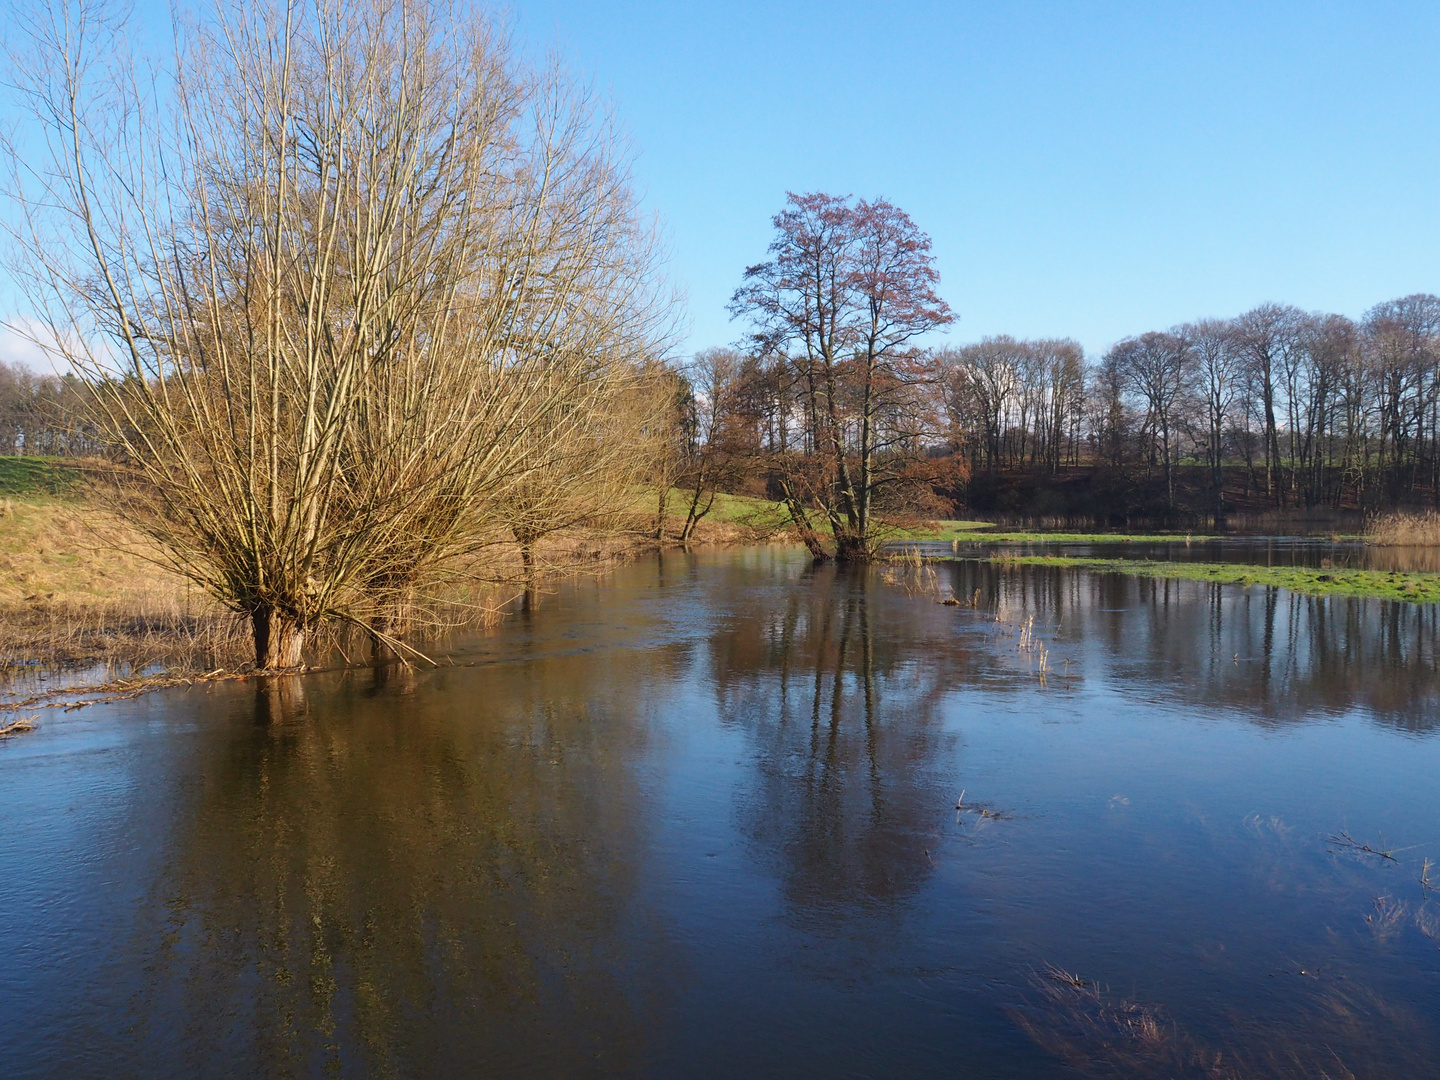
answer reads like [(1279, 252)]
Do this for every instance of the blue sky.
[(1085, 169)]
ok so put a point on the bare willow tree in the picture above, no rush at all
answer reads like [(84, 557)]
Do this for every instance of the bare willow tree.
[(324, 274), (580, 463)]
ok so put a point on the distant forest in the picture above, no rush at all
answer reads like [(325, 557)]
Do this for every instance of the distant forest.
[(1298, 409), (1276, 408), (42, 415), (1273, 410)]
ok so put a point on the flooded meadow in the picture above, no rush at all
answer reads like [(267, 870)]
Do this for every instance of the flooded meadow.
[(729, 814)]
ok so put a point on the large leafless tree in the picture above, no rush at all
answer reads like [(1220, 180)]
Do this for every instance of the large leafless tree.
[(327, 274), (848, 291)]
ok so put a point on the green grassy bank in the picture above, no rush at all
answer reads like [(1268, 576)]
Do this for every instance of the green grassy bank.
[(986, 532), (37, 476)]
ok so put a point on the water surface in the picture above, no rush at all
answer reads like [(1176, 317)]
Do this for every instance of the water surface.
[(699, 818), (1299, 551)]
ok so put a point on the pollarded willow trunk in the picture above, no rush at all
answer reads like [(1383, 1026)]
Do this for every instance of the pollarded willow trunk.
[(279, 640), (526, 539), (381, 650), (527, 561), (851, 547), (526, 536)]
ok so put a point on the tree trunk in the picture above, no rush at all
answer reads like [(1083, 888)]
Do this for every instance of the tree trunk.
[(381, 652), (808, 535), (279, 640), (693, 513), (662, 502), (851, 547)]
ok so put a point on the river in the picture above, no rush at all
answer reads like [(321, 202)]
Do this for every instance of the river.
[(698, 817)]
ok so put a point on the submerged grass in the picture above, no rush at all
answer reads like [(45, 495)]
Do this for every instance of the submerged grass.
[(1415, 588), (1099, 1033)]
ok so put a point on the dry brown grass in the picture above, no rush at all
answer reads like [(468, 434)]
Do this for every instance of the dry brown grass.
[(1403, 529), (69, 552), (78, 587)]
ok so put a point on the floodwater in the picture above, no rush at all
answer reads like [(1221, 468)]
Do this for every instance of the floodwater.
[(1302, 551), (698, 818)]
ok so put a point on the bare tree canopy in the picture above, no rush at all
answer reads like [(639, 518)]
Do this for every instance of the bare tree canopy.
[(329, 291), (838, 308)]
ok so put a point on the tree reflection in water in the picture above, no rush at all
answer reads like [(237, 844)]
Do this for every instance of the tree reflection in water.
[(402, 884), (1268, 653), (714, 794), (854, 763)]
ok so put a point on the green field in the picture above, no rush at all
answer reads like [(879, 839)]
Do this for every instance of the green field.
[(986, 532), (732, 509)]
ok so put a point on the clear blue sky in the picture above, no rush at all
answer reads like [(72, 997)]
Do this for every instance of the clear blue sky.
[(1085, 169)]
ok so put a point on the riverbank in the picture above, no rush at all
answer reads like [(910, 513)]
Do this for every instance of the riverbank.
[(79, 588), (986, 532)]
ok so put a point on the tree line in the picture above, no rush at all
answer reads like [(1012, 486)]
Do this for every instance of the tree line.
[(1317, 409), (42, 414), (835, 404)]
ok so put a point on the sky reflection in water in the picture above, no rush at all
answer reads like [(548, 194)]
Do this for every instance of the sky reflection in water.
[(699, 817)]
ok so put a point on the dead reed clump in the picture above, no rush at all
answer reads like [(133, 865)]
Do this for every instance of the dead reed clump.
[(1402, 529), (909, 571), (123, 636), (1098, 1034), (18, 727), (1388, 917), (984, 813), (1427, 921), (1344, 842)]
